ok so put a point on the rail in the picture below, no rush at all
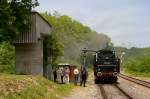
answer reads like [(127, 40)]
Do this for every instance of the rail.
[(135, 80), (104, 94), (125, 93)]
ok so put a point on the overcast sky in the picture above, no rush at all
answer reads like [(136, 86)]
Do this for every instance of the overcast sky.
[(127, 22)]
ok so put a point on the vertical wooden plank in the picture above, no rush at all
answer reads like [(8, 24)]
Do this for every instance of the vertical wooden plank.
[(38, 25)]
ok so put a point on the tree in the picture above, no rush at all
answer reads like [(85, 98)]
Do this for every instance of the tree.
[(14, 17), (53, 49), (7, 58)]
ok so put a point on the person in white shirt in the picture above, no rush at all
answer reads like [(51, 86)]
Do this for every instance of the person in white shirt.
[(67, 72), (76, 75)]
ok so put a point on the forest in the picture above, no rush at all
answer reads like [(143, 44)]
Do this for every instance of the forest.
[(135, 61), (74, 36)]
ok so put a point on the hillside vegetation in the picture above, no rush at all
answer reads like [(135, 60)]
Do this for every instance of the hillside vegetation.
[(74, 36), (7, 58), (30, 87), (136, 61), (138, 66)]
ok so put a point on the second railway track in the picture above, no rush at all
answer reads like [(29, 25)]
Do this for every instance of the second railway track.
[(137, 81)]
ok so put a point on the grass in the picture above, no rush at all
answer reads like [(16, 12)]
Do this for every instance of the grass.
[(31, 87), (137, 74), (9, 69)]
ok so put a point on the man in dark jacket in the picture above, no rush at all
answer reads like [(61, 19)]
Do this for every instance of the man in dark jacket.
[(83, 76), (55, 75)]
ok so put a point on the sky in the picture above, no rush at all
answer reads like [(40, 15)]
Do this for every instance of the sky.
[(126, 22)]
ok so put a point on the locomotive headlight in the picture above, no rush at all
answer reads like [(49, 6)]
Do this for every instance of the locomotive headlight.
[(115, 73), (99, 73)]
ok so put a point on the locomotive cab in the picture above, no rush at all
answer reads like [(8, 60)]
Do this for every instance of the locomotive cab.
[(106, 66)]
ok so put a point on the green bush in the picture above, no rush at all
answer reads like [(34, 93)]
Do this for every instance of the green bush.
[(139, 65), (7, 57)]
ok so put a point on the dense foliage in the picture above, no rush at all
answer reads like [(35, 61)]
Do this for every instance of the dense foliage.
[(139, 66), (142, 64), (53, 49), (74, 36), (135, 60), (14, 17), (7, 58)]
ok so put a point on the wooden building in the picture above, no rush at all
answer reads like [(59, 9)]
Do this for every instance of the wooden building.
[(29, 47)]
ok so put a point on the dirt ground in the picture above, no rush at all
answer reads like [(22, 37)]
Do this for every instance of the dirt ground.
[(89, 92), (92, 91)]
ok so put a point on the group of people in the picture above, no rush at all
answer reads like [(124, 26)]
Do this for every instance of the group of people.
[(82, 75), (64, 74), (79, 76)]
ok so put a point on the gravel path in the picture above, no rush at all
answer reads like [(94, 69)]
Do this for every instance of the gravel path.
[(92, 91)]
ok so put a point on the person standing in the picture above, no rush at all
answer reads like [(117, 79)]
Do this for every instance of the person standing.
[(76, 75), (55, 75), (83, 76), (67, 72), (61, 74)]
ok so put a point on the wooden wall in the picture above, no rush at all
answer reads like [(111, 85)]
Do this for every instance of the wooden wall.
[(38, 26), (29, 58), (29, 47)]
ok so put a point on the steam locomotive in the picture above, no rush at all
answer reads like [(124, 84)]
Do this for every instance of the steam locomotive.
[(106, 66)]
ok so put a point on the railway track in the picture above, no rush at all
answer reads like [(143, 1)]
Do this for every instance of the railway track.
[(105, 96), (125, 93), (137, 81), (103, 92)]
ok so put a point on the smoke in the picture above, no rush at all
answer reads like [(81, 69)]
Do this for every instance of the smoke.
[(73, 48)]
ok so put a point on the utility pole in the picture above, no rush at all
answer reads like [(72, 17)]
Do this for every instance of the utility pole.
[(84, 51), (121, 59), (84, 59)]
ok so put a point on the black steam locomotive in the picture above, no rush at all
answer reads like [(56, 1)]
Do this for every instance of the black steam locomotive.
[(106, 66)]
